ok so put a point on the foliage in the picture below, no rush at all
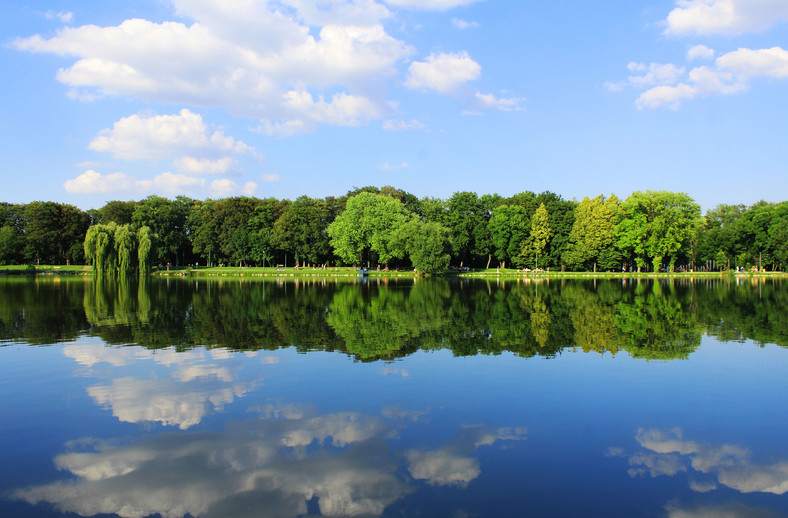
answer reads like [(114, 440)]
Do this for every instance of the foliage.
[(508, 228), (656, 225), (591, 241), (366, 228)]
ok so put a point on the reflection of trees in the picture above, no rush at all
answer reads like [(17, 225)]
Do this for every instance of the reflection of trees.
[(650, 319), (754, 309), (386, 323), (41, 311), (655, 325)]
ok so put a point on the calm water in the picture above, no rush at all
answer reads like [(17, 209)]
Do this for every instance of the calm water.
[(428, 399)]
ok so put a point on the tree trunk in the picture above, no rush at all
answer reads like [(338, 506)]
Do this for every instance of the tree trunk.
[(489, 259)]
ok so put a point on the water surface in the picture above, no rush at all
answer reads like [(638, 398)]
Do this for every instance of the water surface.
[(426, 398)]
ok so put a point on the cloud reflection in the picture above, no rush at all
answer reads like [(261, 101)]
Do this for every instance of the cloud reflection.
[(200, 381), (666, 452), (345, 463)]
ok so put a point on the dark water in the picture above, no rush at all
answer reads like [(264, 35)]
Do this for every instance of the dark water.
[(434, 398)]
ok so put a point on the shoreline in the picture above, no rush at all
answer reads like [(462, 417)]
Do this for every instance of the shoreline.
[(273, 272)]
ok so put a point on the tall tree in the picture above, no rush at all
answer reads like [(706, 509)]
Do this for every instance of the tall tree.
[(302, 230), (539, 236), (656, 225), (508, 228), (365, 229), (591, 240)]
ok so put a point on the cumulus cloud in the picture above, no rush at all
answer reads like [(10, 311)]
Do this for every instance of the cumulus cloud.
[(270, 178), (725, 17), (491, 102), (163, 136), (168, 183), (700, 52), (191, 165), (669, 86), (244, 57), (92, 182), (444, 72)]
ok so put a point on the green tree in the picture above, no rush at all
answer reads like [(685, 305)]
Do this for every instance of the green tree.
[(656, 225), (302, 230), (425, 243), (539, 236), (591, 241), (366, 228), (126, 248), (145, 246), (508, 228), (168, 220)]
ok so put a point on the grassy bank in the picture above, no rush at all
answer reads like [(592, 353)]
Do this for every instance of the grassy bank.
[(354, 272)]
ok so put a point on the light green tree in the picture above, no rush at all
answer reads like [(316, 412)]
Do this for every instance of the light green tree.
[(591, 240), (655, 225), (366, 228), (539, 237)]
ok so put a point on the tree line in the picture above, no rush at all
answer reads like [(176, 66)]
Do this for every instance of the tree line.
[(370, 226)]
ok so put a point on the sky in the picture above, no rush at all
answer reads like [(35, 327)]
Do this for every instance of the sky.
[(119, 100)]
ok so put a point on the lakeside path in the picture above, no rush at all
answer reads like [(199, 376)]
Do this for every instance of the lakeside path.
[(227, 271)]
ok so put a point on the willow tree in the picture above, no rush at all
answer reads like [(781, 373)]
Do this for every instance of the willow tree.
[(144, 249), (106, 258), (91, 236), (125, 244)]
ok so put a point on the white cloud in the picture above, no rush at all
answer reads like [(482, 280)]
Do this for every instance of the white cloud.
[(393, 167), (401, 125), (223, 188), (163, 136), (431, 5), (241, 56), (491, 102), (461, 24), (92, 182), (63, 16), (700, 52), (669, 86), (654, 74), (191, 165), (725, 17), (249, 189), (270, 178), (443, 72)]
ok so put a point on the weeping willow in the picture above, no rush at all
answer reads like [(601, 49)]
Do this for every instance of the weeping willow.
[(122, 249)]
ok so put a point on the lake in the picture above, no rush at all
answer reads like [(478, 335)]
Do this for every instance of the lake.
[(400, 398)]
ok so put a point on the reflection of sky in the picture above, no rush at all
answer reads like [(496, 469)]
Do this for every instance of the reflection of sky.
[(199, 381), (270, 466), (667, 452)]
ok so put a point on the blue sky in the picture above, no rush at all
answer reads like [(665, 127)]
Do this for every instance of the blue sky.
[(118, 100)]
